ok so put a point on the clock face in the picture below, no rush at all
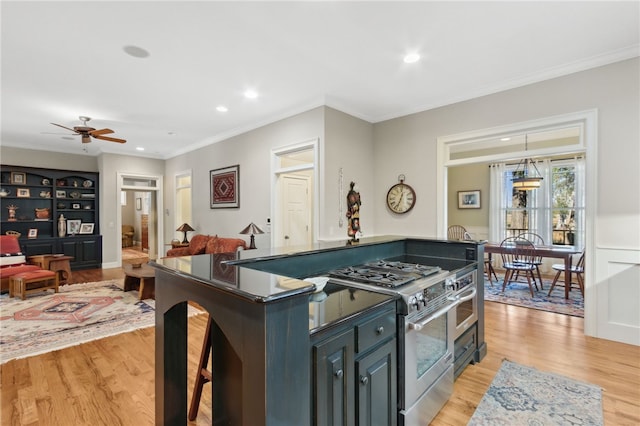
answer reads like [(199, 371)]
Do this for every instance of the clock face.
[(401, 198)]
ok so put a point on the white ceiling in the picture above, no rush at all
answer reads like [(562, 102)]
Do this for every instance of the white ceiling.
[(61, 60)]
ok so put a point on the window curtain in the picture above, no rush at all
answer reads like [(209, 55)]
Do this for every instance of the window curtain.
[(497, 202), (580, 203), (540, 202)]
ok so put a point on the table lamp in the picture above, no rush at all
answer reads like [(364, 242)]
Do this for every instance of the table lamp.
[(185, 227), (252, 229)]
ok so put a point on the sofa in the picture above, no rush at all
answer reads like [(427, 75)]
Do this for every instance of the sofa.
[(208, 244), (12, 261), (127, 235)]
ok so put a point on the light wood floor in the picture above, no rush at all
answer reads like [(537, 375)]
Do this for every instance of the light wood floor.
[(111, 381)]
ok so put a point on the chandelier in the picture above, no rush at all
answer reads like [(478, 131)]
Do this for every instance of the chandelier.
[(530, 178)]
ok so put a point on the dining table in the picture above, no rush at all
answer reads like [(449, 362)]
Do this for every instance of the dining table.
[(559, 252)]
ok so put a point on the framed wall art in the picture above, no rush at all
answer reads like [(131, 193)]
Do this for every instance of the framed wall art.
[(23, 193), (33, 233), (469, 199), (225, 187)]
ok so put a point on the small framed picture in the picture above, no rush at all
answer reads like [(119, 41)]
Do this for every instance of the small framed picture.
[(469, 199), (86, 228), (23, 193), (73, 226), (18, 178), (61, 194), (33, 233), (75, 206)]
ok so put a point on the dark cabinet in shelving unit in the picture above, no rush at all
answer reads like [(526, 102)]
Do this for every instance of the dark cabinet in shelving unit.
[(32, 200)]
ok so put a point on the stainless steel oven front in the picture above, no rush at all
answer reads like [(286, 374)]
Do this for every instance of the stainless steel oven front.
[(467, 308), (427, 370)]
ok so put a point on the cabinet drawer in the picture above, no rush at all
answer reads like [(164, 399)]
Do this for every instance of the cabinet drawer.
[(375, 330)]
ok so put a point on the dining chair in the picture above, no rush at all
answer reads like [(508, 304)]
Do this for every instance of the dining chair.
[(518, 260), (458, 232), (577, 269), (536, 240)]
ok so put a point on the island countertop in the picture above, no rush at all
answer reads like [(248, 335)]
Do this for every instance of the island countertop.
[(270, 274)]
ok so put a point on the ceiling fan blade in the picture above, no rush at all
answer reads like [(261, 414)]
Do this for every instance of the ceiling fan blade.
[(71, 130), (95, 133), (107, 138)]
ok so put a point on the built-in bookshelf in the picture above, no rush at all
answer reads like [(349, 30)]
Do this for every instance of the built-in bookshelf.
[(53, 211)]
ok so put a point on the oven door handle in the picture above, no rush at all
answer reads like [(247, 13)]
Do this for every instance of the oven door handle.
[(470, 296), (420, 324)]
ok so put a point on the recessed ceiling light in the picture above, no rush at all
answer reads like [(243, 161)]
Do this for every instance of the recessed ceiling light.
[(505, 139), (136, 51), (250, 94), (139, 148), (411, 58), (222, 108)]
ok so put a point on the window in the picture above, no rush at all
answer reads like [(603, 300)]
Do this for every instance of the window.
[(555, 211)]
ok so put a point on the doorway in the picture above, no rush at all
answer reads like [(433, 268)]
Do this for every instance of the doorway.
[(141, 208), (294, 206), (472, 148)]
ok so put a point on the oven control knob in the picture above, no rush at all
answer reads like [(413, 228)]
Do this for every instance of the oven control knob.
[(450, 284), (420, 299), (413, 301)]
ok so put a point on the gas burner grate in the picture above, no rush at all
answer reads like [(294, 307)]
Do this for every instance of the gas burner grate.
[(416, 268), (383, 278)]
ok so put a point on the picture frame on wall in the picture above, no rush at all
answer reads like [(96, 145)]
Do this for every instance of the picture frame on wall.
[(23, 193), (33, 233), (469, 199), (225, 187)]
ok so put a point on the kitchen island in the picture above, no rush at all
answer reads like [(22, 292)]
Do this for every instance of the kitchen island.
[(263, 324)]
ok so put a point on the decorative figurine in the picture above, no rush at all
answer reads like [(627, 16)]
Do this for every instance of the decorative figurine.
[(12, 212), (353, 212)]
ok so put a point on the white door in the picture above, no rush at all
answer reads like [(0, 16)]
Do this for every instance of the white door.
[(296, 214)]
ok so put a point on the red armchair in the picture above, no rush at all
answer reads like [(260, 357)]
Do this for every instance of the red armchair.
[(12, 261)]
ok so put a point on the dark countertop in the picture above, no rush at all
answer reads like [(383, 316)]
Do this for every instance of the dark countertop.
[(273, 274)]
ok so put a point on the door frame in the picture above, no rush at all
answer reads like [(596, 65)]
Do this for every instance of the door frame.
[(277, 171), (588, 121), (157, 188)]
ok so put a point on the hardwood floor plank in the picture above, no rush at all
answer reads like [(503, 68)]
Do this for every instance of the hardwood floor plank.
[(111, 381)]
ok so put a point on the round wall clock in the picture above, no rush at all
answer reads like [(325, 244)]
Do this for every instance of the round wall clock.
[(401, 197)]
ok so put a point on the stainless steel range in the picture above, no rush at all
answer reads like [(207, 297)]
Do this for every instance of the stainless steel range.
[(426, 328)]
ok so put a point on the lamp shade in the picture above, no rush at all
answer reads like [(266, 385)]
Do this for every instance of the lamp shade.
[(185, 227), (252, 229)]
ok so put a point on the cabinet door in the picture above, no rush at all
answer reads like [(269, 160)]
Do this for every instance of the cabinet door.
[(333, 381), (86, 251), (376, 387)]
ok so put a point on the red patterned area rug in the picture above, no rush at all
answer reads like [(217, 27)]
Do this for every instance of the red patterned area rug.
[(78, 313)]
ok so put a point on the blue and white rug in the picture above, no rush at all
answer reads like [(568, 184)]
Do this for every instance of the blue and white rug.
[(521, 395), (518, 294)]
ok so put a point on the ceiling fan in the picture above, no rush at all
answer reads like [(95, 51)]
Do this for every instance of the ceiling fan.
[(88, 132)]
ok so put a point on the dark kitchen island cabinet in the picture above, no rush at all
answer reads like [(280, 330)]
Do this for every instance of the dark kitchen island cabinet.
[(354, 371), (277, 346)]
